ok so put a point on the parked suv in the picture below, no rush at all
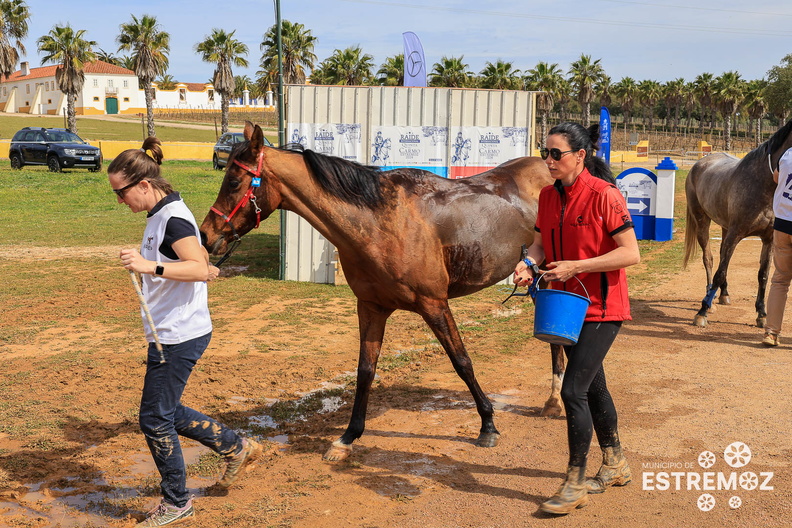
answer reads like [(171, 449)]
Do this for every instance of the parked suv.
[(224, 146), (57, 148)]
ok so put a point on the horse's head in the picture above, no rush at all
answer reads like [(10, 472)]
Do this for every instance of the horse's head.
[(248, 194)]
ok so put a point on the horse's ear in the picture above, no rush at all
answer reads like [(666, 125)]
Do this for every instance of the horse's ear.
[(256, 138), (248, 130)]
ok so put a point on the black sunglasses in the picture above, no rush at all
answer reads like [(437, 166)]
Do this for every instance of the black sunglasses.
[(120, 192), (554, 153)]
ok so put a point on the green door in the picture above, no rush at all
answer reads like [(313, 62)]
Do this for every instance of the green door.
[(111, 105)]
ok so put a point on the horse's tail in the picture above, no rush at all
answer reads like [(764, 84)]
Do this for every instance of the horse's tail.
[(691, 226)]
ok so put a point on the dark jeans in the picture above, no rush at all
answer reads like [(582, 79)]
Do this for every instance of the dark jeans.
[(585, 394), (163, 418)]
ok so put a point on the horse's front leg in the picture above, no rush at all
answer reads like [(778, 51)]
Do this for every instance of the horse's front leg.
[(552, 406), (727, 250), (764, 272), (371, 318), (438, 316)]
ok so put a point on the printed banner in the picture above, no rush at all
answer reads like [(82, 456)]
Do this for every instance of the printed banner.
[(419, 147), (334, 139), (414, 63), (604, 150), (478, 149)]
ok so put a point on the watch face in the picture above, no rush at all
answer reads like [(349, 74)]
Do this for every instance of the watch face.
[(159, 270)]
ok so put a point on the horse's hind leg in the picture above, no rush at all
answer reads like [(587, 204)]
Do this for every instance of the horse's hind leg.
[(371, 318), (764, 271), (438, 316), (552, 406), (724, 297)]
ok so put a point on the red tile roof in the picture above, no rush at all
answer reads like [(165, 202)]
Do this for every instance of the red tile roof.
[(100, 67)]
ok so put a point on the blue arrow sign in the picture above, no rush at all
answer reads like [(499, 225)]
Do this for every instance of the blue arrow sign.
[(639, 206)]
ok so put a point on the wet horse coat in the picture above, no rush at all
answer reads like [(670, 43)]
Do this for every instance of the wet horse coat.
[(407, 240), (738, 196)]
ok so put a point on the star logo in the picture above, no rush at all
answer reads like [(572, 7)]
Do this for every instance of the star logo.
[(414, 64)]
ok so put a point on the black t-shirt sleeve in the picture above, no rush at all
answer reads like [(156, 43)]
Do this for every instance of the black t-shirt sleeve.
[(176, 229)]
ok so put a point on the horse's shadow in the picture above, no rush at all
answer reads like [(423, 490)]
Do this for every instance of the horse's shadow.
[(392, 473)]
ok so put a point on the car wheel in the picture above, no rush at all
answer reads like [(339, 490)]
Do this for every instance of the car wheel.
[(53, 164), (16, 161), (216, 163)]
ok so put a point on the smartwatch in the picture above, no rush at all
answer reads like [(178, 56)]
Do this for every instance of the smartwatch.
[(159, 270)]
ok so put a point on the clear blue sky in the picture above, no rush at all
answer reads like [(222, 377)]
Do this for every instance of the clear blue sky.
[(654, 39)]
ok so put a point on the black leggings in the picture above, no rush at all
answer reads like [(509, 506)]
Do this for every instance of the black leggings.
[(585, 394)]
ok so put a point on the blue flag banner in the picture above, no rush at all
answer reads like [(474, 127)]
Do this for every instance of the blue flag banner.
[(604, 150), (414, 63)]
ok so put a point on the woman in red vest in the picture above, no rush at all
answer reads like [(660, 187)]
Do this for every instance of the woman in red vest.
[(584, 232)]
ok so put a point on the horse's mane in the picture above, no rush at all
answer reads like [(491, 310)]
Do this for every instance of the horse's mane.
[(348, 180), (769, 146), (777, 139)]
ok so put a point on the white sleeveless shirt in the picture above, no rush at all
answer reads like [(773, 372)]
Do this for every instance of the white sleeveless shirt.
[(179, 309)]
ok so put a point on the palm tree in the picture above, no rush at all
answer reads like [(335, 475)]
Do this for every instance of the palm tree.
[(14, 15), (68, 49), (673, 94), (704, 87), (689, 104), (350, 67), (450, 72), (546, 79), (500, 76), (297, 46), (224, 50), (649, 93), (626, 92), (756, 105), (241, 83), (150, 47), (125, 61), (564, 97), (729, 91), (106, 56), (166, 82), (391, 73), (584, 74), (603, 90)]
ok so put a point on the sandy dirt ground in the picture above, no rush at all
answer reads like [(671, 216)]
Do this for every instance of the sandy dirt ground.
[(704, 419)]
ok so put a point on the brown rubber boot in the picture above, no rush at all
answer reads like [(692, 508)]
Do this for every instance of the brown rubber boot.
[(572, 493), (613, 472)]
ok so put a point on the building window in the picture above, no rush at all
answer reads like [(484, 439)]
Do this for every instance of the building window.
[(27, 88), (49, 101), (126, 83), (96, 83), (109, 83), (182, 94), (211, 95), (126, 99), (96, 98), (46, 86)]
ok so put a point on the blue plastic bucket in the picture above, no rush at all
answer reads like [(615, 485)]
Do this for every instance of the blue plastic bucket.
[(559, 315)]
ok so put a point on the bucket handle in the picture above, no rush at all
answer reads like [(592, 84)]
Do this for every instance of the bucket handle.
[(533, 289)]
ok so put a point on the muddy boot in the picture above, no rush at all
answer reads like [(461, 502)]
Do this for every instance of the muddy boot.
[(613, 472), (572, 493)]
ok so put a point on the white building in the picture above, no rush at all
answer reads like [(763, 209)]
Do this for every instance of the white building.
[(108, 89)]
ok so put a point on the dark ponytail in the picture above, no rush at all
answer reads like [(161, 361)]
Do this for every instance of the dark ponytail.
[(136, 165), (579, 138)]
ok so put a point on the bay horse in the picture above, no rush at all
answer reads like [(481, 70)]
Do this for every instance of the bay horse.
[(406, 238), (738, 196)]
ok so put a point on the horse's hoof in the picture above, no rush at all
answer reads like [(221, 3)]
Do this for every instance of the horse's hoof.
[(552, 408), (761, 322), (337, 452), (724, 299), (700, 320), (487, 439)]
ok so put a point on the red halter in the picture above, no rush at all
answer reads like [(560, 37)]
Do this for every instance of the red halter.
[(249, 196)]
